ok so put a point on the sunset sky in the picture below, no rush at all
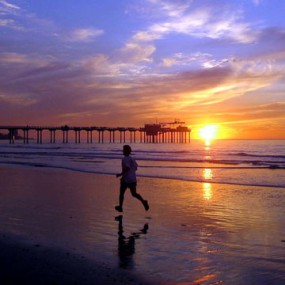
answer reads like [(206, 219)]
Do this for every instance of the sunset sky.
[(131, 62)]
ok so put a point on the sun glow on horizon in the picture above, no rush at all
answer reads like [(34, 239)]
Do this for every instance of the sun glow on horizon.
[(208, 133)]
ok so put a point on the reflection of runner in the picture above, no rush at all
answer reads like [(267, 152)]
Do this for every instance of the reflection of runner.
[(126, 246), (129, 179)]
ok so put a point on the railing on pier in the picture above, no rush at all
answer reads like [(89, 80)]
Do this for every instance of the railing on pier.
[(155, 133)]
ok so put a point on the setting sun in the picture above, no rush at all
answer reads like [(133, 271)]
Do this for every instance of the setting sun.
[(208, 132)]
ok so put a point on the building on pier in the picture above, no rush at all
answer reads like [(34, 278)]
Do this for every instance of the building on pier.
[(173, 132)]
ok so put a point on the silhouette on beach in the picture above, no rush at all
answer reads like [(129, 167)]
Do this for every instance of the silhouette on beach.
[(126, 245), (129, 179)]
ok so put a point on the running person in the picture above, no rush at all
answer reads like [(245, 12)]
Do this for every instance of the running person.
[(129, 179)]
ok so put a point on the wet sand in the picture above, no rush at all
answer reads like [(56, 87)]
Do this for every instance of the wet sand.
[(60, 227)]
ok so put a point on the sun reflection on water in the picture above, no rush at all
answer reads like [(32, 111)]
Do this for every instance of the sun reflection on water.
[(207, 143), (207, 187), (207, 174), (207, 149), (207, 191)]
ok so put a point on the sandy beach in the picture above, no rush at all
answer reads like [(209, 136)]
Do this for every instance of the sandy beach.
[(60, 227)]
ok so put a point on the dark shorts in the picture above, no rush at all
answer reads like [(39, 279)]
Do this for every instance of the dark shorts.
[(125, 185)]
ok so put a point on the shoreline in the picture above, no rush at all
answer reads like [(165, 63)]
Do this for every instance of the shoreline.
[(42, 166), (62, 225)]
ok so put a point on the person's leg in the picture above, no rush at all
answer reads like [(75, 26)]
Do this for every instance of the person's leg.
[(123, 188), (133, 188)]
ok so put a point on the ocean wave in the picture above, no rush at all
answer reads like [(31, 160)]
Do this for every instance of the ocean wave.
[(273, 162), (258, 155), (203, 167)]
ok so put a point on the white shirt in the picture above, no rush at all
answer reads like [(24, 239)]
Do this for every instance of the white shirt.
[(130, 175)]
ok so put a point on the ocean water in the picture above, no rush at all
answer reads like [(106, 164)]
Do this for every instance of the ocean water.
[(242, 162)]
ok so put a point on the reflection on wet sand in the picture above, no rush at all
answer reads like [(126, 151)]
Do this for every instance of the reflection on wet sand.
[(201, 233), (126, 245)]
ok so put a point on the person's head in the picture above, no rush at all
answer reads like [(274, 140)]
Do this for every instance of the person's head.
[(127, 150)]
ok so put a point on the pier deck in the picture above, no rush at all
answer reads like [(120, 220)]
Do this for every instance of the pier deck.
[(150, 133)]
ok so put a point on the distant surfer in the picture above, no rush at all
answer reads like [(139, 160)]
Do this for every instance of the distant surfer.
[(129, 179)]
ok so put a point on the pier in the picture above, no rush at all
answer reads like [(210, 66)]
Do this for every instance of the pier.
[(174, 132)]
